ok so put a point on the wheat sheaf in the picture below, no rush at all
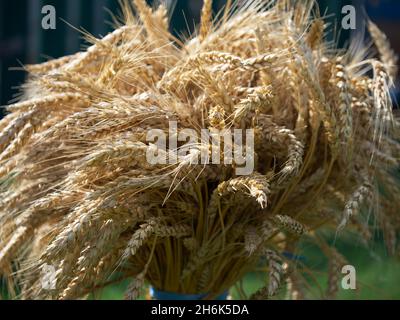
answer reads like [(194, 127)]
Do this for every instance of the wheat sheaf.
[(78, 194)]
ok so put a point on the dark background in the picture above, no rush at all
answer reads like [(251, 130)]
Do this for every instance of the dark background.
[(22, 40)]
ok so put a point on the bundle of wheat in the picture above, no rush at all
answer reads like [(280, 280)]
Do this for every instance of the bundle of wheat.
[(79, 194)]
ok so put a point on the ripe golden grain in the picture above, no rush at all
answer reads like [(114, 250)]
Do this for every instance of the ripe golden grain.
[(73, 153)]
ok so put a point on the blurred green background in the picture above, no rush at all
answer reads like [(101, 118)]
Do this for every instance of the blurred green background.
[(377, 274), (22, 41)]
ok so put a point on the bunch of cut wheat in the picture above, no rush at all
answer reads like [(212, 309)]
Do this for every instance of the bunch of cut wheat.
[(78, 193)]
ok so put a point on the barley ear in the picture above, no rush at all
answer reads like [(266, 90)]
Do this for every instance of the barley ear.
[(206, 19), (135, 288), (388, 56), (275, 265)]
